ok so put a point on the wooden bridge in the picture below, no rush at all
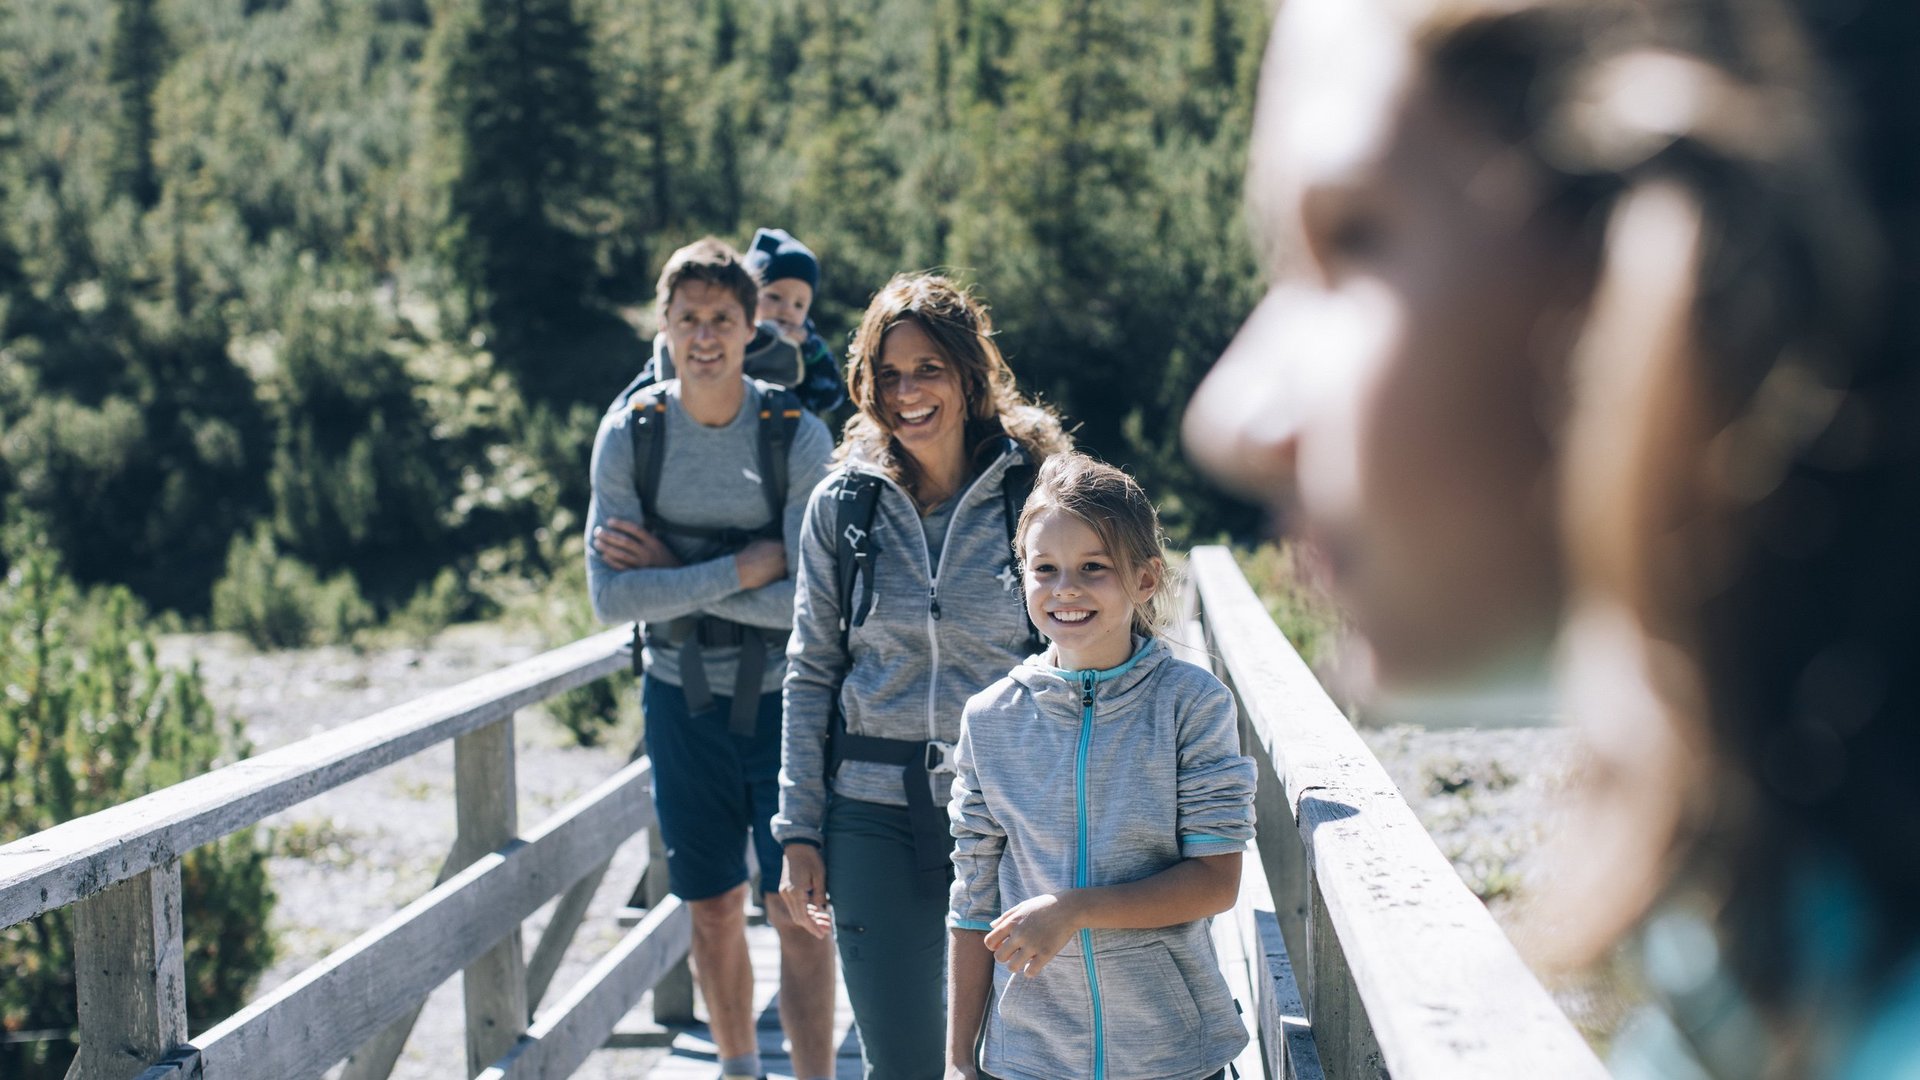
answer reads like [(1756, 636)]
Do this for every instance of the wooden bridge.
[(1355, 949)]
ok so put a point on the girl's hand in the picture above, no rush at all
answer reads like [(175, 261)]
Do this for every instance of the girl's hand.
[(803, 888), (1033, 933), (962, 1072)]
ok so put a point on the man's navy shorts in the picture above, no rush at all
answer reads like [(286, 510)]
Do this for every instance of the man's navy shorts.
[(711, 789)]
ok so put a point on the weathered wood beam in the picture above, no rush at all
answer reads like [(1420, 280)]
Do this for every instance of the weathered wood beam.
[(673, 994), (568, 914), (1285, 1033), (486, 800), (376, 1058), (580, 1022), (1441, 988), (129, 968), (78, 858), (304, 1026)]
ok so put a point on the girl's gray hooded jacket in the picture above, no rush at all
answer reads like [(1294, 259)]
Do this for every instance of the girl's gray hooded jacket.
[(1070, 779), (934, 636)]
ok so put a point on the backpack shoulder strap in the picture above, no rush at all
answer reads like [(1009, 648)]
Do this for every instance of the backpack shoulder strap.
[(661, 365), (780, 413), (856, 497), (649, 432), (1015, 485)]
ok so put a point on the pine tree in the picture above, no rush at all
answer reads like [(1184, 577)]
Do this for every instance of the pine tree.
[(522, 112), (136, 59)]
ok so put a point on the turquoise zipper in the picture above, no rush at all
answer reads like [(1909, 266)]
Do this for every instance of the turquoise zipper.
[(1081, 874)]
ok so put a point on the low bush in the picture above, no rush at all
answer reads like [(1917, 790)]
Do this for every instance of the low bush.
[(278, 602), (90, 719)]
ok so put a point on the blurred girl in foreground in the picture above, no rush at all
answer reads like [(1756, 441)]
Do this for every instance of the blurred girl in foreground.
[(1603, 316)]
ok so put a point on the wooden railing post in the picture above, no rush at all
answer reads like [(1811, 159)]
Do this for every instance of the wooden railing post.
[(1341, 1031), (130, 974), (673, 994), (487, 802)]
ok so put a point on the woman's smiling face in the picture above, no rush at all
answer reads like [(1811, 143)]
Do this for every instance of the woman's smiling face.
[(920, 393), (1394, 397)]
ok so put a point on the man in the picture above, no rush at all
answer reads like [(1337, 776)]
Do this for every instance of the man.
[(683, 536)]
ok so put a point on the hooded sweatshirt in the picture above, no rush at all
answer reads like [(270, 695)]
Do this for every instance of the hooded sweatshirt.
[(938, 630), (1073, 779)]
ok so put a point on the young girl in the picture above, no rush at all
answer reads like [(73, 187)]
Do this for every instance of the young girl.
[(1100, 805)]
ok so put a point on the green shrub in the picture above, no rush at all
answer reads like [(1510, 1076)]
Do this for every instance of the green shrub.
[(564, 614), (89, 719), (278, 602), (434, 607), (1304, 612)]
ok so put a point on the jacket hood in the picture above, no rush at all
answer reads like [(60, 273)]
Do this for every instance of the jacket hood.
[(1059, 689)]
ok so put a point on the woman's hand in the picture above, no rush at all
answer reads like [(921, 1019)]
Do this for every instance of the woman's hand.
[(962, 1072), (1034, 932), (803, 888), (626, 546)]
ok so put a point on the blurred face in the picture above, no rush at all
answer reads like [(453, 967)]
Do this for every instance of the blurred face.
[(708, 331), (786, 302), (1077, 594), (920, 394), (1394, 395)]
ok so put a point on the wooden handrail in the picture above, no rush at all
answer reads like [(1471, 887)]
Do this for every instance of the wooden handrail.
[(1401, 966), (79, 858), (319, 1017), (119, 872)]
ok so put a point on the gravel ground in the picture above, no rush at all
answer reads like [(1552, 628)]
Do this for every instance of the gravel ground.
[(351, 857), (1488, 798)]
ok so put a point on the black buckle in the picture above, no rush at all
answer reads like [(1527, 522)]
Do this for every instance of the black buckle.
[(939, 756)]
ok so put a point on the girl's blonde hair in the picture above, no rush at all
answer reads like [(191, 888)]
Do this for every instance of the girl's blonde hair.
[(1110, 503), (960, 328)]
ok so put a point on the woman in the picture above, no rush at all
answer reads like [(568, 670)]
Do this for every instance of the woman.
[(1603, 313), (907, 603)]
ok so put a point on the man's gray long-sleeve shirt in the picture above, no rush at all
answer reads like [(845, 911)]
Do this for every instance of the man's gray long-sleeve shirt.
[(709, 477)]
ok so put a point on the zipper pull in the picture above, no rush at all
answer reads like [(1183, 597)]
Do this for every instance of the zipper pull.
[(1086, 690), (933, 597)]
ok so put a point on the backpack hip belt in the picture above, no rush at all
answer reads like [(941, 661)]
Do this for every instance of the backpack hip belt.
[(919, 761), (692, 634)]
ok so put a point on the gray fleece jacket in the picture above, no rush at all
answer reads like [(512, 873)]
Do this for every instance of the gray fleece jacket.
[(1070, 779), (710, 477), (934, 636)]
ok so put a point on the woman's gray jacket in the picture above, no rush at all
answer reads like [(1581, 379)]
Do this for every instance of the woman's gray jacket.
[(933, 637), (1071, 779)]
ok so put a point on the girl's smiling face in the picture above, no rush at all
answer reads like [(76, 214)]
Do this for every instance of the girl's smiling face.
[(1395, 396), (1079, 595)]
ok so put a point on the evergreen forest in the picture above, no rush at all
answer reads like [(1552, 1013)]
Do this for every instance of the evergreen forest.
[(309, 308)]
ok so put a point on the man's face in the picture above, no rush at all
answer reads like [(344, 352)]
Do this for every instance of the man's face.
[(708, 331)]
